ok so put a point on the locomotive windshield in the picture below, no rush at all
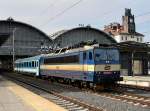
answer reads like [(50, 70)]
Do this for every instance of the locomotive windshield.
[(112, 55), (106, 55)]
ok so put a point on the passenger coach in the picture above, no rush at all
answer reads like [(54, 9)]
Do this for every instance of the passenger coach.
[(29, 65)]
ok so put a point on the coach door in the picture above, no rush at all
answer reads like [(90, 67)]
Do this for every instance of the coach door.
[(37, 67), (85, 66)]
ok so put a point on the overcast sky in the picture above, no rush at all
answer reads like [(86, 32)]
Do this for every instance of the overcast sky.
[(54, 15)]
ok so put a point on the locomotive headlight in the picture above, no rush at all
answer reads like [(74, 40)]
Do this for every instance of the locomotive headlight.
[(97, 72)]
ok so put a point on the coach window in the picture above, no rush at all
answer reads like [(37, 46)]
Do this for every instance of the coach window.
[(37, 64), (24, 64), (27, 64), (90, 56), (84, 56), (32, 63)]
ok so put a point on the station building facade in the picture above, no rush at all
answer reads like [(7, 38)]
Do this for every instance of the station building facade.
[(125, 31), (134, 52), (134, 58)]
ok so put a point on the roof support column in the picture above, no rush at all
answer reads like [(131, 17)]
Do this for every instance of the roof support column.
[(145, 65)]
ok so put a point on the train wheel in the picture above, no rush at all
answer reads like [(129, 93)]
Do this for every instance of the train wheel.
[(88, 85), (79, 84), (69, 81), (98, 87)]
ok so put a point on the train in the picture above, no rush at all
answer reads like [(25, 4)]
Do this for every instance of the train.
[(91, 66)]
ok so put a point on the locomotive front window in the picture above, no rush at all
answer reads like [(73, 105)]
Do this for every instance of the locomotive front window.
[(112, 55), (106, 55), (100, 55)]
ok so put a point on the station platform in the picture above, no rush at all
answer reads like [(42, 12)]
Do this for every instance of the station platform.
[(16, 98), (143, 81)]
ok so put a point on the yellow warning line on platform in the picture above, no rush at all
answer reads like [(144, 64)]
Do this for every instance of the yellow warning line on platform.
[(37, 102)]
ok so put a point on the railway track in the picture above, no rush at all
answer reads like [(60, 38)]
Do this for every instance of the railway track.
[(122, 95), (68, 103), (128, 98)]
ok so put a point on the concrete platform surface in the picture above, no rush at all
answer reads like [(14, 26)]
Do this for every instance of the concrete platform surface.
[(16, 98), (136, 80)]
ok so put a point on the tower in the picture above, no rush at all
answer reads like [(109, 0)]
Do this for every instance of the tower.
[(128, 22)]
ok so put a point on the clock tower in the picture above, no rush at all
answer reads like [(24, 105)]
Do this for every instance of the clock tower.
[(128, 22)]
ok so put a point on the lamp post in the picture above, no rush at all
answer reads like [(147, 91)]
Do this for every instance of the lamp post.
[(14, 30)]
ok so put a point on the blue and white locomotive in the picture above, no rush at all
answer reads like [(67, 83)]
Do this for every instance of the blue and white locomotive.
[(87, 65)]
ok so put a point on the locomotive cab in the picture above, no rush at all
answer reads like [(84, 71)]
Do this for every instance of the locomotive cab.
[(107, 65), (103, 64)]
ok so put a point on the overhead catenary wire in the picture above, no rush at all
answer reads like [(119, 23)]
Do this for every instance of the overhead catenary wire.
[(73, 5), (143, 14), (47, 8), (41, 13), (62, 12)]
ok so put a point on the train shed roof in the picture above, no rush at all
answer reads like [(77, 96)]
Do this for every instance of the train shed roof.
[(63, 32)]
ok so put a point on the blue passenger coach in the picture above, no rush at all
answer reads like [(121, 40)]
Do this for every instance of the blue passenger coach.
[(29, 65)]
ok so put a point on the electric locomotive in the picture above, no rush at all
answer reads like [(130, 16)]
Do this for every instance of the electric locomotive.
[(89, 65)]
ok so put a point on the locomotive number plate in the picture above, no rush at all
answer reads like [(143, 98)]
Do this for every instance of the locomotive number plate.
[(107, 68)]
